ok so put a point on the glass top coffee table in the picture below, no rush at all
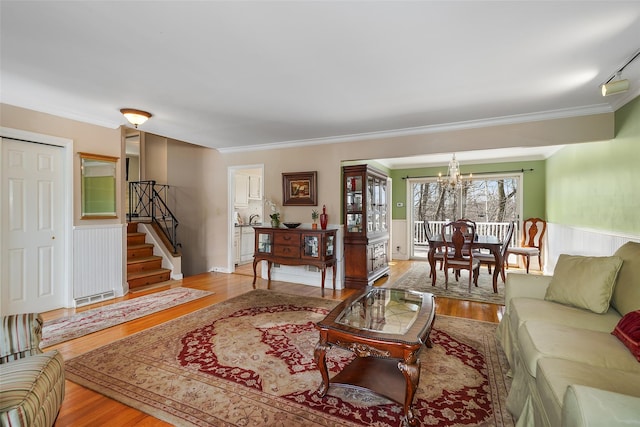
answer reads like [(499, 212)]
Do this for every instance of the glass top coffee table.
[(386, 328)]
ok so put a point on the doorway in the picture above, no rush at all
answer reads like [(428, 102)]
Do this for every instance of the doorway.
[(246, 208), (35, 218)]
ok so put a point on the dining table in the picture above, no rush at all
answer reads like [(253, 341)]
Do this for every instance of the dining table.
[(492, 243)]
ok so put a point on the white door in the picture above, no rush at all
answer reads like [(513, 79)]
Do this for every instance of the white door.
[(33, 238)]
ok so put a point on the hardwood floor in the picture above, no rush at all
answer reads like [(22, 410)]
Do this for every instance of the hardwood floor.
[(83, 407)]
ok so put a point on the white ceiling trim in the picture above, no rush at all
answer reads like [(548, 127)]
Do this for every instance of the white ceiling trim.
[(424, 130)]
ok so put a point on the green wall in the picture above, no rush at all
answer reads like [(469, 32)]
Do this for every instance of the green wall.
[(533, 184), (597, 185)]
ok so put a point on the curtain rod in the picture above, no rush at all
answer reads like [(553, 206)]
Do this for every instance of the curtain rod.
[(477, 173)]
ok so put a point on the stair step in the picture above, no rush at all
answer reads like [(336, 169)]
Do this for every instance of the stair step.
[(148, 277), (138, 251), (135, 238), (153, 262)]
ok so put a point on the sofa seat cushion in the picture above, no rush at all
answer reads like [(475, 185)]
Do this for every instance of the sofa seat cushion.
[(555, 375), (525, 309), (587, 406), (539, 339), (32, 390)]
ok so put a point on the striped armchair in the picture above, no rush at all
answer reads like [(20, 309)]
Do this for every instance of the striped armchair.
[(32, 381)]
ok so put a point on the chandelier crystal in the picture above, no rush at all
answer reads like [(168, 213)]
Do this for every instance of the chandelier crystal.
[(454, 177)]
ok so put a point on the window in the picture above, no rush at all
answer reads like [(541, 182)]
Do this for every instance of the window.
[(487, 200)]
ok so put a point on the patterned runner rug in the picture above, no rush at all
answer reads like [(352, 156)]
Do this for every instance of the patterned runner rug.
[(417, 278), (249, 361), (86, 322)]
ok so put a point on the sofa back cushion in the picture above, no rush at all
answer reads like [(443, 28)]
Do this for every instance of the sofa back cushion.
[(584, 282), (626, 293), (20, 336)]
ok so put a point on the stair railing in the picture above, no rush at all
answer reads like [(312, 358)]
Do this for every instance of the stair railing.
[(146, 203)]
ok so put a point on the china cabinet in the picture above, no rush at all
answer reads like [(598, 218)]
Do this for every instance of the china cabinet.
[(366, 221), (295, 247)]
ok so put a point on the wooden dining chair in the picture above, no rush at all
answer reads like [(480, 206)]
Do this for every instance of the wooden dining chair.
[(490, 260), (469, 229), (458, 254), (533, 230), (439, 251)]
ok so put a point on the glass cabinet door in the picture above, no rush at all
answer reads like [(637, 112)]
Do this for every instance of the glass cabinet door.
[(330, 246), (383, 205), (353, 194), (311, 246), (265, 242)]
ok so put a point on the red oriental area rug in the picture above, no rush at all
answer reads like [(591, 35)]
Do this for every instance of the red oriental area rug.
[(249, 361)]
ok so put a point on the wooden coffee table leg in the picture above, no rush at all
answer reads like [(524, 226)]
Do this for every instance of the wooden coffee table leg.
[(411, 371), (319, 356)]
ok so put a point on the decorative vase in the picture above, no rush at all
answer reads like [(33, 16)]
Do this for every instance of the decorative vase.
[(275, 223), (324, 218), (314, 226)]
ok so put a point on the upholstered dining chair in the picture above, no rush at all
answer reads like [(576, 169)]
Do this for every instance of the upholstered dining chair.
[(458, 254), (533, 230), (490, 260)]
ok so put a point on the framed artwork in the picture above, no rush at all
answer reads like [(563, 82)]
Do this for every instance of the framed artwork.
[(299, 189)]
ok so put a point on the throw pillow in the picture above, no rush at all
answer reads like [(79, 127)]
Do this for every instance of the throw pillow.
[(628, 331), (584, 282)]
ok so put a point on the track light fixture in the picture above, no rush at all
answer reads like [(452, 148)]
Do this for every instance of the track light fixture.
[(619, 85), (135, 117)]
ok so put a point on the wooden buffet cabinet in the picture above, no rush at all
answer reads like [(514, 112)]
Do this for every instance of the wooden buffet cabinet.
[(295, 247), (366, 222)]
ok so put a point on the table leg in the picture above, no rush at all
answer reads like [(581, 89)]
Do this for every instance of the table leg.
[(324, 274), (432, 264), (411, 371), (319, 356), (334, 276), (255, 262), (497, 269), (269, 270)]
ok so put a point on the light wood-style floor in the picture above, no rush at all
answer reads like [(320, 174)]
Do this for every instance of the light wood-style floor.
[(83, 407)]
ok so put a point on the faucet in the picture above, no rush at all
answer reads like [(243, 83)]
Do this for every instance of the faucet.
[(252, 217)]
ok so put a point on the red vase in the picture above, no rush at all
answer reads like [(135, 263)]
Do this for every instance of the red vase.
[(324, 218)]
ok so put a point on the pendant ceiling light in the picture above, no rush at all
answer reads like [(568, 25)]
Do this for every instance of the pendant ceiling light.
[(135, 117)]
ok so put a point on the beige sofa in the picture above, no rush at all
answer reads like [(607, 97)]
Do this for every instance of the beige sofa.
[(31, 382), (568, 368)]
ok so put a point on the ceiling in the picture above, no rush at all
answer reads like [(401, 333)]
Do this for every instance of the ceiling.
[(243, 75)]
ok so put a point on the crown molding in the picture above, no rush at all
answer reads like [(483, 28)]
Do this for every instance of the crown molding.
[(424, 130), (55, 110)]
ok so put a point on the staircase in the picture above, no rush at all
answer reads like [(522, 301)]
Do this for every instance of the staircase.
[(143, 267)]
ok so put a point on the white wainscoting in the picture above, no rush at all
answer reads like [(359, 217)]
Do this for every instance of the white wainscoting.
[(97, 262), (562, 239), (399, 238)]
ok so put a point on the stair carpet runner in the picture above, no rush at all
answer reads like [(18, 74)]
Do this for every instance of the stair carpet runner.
[(143, 267)]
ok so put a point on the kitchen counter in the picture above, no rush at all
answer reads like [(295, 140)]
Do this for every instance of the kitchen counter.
[(243, 242)]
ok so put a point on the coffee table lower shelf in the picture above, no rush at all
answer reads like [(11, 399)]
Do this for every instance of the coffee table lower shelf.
[(381, 376)]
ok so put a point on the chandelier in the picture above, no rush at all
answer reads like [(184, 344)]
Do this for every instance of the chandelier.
[(454, 178)]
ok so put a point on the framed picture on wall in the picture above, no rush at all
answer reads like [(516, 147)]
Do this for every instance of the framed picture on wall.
[(299, 189)]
